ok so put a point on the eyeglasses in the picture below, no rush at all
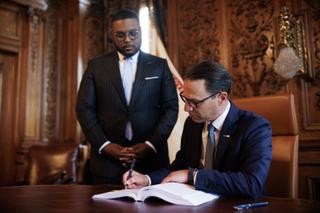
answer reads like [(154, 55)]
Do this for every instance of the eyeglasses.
[(195, 104), (132, 34)]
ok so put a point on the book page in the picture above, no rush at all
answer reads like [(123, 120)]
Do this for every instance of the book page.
[(132, 193), (176, 193)]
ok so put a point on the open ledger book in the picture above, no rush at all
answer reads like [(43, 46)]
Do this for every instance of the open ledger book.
[(175, 193)]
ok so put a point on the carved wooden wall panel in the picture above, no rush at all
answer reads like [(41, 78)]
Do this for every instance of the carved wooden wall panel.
[(49, 116), (34, 74), (9, 17), (310, 89), (8, 84), (251, 54), (94, 30), (308, 92), (43, 48), (10, 37), (198, 32)]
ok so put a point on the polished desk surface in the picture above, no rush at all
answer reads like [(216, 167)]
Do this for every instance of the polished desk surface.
[(77, 198)]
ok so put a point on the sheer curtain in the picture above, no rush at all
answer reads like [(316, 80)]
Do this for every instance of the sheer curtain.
[(157, 48)]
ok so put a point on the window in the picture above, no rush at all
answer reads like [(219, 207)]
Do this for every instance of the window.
[(145, 28)]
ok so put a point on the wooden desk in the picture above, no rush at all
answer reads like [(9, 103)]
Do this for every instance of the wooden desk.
[(77, 198)]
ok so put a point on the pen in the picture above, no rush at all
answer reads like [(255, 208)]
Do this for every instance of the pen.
[(131, 168), (250, 205)]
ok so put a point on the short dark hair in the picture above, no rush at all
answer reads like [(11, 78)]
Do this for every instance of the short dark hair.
[(216, 76), (124, 14)]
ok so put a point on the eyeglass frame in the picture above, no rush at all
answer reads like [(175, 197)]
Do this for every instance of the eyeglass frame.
[(121, 36), (195, 104)]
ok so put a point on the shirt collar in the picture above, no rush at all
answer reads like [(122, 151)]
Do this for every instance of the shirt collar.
[(218, 123), (133, 58)]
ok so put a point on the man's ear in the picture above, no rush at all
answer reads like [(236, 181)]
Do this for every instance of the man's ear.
[(223, 96)]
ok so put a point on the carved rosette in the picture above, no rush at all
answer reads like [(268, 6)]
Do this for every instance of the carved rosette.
[(251, 48), (198, 32)]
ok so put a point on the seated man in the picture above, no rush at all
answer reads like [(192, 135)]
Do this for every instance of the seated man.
[(224, 150)]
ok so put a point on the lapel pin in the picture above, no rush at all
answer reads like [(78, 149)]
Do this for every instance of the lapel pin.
[(226, 136)]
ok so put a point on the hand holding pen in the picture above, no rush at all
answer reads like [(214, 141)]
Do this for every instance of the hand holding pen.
[(130, 170)]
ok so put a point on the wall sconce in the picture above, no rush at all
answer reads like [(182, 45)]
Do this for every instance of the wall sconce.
[(292, 56)]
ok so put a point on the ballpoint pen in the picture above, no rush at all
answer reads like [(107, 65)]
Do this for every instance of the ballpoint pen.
[(250, 205), (131, 168)]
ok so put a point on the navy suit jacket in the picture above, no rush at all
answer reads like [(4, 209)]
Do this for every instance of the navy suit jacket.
[(242, 160), (103, 112)]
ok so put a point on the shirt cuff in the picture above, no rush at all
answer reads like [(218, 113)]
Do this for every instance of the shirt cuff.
[(103, 145), (150, 144), (149, 180)]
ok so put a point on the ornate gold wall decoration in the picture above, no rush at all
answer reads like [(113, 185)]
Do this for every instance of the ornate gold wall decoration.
[(198, 32), (251, 43)]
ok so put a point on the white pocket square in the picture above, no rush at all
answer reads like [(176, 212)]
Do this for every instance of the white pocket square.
[(151, 78)]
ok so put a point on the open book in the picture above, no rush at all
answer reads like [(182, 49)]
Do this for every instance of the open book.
[(175, 193)]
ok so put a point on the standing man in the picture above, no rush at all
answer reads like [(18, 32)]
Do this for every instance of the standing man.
[(224, 150), (127, 105)]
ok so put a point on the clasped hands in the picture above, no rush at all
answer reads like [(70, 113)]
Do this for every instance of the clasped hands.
[(127, 154)]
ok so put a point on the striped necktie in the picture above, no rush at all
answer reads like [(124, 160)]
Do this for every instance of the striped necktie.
[(210, 147)]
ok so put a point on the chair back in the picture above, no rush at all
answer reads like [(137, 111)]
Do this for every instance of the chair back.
[(282, 180), (52, 164)]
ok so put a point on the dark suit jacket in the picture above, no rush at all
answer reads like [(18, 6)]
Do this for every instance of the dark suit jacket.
[(242, 159), (103, 112)]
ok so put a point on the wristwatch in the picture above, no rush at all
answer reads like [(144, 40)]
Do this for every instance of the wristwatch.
[(191, 172)]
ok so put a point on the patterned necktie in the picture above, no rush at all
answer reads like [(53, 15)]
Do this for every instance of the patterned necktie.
[(127, 85), (210, 147)]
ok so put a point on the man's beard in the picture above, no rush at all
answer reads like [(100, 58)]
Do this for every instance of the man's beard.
[(127, 54)]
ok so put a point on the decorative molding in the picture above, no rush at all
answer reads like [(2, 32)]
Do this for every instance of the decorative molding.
[(38, 4), (311, 87), (251, 48), (315, 14), (198, 32), (34, 34), (50, 72), (9, 20)]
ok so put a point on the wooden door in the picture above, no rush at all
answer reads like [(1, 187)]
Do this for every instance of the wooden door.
[(8, 71)]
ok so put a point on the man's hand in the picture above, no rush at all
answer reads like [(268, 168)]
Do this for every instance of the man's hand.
[(180, 176), (136, 181), (119, 152), (141, 150)]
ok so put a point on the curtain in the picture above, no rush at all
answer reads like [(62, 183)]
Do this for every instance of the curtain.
[(160, 18), (157, 48)]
